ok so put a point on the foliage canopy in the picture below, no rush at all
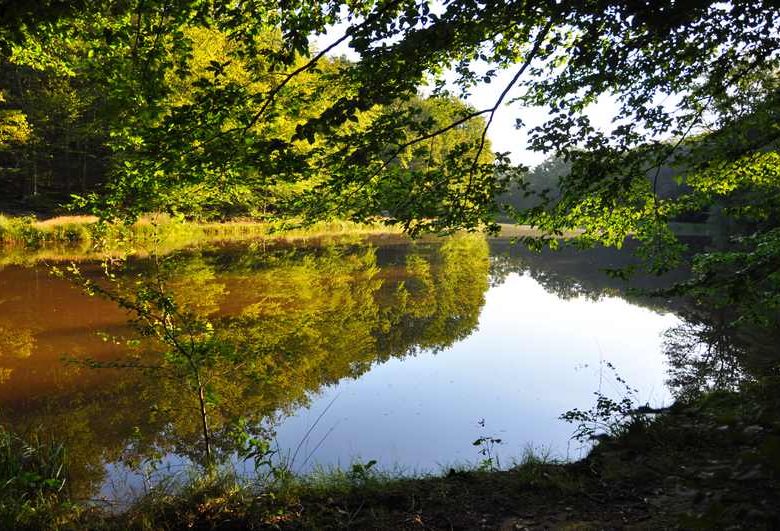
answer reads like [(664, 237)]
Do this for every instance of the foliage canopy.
[(208, 106)]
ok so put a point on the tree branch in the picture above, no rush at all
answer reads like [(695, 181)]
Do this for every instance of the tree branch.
[(491, 110), (531, 55)]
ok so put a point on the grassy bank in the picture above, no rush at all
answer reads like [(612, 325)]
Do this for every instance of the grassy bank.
[(82, 233), (713, 462), (511, 230), (25, 239)]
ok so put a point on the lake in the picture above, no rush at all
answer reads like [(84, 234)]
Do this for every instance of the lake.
[(380, 349)]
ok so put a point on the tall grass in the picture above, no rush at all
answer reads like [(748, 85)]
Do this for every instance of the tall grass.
[(34, 493), (22, 239), (33, 481), (30, 233)]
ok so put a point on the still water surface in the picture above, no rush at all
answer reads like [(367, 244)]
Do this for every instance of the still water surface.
[(382, 350)]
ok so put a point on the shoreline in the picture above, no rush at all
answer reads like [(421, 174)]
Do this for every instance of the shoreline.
[(75, 238), (685, 468)]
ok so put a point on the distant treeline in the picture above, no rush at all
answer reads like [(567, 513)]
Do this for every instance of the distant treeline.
[(544, 181)]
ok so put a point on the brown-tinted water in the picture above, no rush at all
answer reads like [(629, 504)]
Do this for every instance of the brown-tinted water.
[(387, 350)]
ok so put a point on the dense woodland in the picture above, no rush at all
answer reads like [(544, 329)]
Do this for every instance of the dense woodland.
[(214, 110), (65, 136)]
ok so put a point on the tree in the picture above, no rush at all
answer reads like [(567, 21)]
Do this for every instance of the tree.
[(190, 121), (695, 85)]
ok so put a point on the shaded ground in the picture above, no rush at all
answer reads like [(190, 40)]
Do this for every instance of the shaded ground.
[(711, 465)]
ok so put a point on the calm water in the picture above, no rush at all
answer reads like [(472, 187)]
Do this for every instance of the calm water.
[(383, 350)]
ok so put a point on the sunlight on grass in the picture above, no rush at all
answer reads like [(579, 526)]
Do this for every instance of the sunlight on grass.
[(24, 240)]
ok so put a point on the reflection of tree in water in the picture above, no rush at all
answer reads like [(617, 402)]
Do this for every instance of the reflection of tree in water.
[(703, 356), (289, 321), (439, 301), (709, 350), (719, 348), (571, 272), (15, 344)]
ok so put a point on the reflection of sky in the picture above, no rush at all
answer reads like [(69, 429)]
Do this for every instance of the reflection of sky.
[(503, 134), (124, 484), (533, 357)]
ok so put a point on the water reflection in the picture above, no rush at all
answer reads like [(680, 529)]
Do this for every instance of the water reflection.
[(704, 355), (288, 321), (709, 349), (532, 357), (386, 349)]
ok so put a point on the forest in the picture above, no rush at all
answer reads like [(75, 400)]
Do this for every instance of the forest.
[(657, 127), (85, 131)]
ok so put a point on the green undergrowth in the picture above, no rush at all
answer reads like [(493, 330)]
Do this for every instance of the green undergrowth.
[(710, 462), (320, 499), (358, 497), (29, 233), (33, 483)]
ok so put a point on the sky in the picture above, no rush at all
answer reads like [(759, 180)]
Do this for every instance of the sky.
[(522, 367), (502, 133)]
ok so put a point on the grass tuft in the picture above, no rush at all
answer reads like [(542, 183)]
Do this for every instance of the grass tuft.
[(33, 482)]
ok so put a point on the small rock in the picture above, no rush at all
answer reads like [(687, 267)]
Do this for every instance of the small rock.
[(752, 431)]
